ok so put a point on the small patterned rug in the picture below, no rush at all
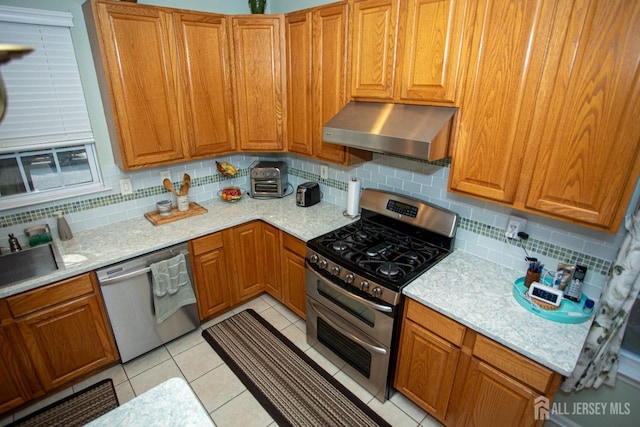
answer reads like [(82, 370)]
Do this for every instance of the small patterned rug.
[(75, 410), (291, 387)]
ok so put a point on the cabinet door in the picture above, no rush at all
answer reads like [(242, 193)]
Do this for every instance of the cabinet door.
[(272, 260), (429, 47), (330, 26), (426, 369), (492, 398), (68, 340), (207, 93), (293, 275), (585, 130), (212, 283), (248, 261), (258, 44), (500, 90), (299, 101), (139, 65), (17, 380), (375, 26)]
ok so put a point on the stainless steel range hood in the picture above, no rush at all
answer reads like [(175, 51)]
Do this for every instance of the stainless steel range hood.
[(403, 129)]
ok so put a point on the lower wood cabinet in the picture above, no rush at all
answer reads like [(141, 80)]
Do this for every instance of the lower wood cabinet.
[(293, 274), (247, 261), (18, 383), (463, 378), (272, 255), (51, 336), (212, 284)]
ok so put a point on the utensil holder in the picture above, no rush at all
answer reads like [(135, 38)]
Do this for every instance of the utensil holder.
[(183, 203), (531, 277)]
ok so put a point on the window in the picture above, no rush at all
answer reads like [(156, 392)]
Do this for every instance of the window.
[(46, 142)]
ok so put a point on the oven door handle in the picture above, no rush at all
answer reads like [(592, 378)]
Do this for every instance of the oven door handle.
[(363, 301), (319, 312)]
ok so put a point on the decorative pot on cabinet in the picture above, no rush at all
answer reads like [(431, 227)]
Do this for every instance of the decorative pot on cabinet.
[(257, 6)]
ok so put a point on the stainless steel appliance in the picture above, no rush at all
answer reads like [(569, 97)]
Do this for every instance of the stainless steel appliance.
[(308, 194), (268, 179), (128, 297), (355, 276)]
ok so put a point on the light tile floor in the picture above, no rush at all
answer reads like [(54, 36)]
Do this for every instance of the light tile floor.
[(226, 399)]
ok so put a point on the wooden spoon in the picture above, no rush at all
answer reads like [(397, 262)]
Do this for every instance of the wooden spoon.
[(169, 186), (186, 182)]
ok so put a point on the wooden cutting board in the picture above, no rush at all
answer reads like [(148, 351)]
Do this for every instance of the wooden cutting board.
[(194, 209)]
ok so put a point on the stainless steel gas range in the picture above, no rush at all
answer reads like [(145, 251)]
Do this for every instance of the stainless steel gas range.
[(354, 280)]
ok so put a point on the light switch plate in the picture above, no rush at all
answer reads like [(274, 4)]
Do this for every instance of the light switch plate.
[(125, 187), (514, 226), (165, 174), (324, 172)]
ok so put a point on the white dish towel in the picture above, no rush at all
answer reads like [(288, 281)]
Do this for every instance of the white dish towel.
[(171, 287)]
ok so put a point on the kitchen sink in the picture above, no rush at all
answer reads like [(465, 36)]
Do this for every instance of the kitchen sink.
[(28, 263)]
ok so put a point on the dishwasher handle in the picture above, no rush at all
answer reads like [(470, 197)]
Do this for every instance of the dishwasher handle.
[(116, 279), (145, 268)]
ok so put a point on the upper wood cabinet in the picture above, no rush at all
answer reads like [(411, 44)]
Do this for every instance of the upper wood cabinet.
[(549, 108), (317, 80), (164, 82), (585, 126), (375, 30), (205, 74), (259, 61), (407, 51), (299, 79)]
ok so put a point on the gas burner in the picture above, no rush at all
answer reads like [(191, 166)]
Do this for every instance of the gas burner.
[(339, 246), (361, 235), (389, 268), (379, 249)]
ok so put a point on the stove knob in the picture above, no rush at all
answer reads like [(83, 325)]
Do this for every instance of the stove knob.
[(323, 263), (335, 270), (364, 285), (349, 278), (377, 291), (313, 258)]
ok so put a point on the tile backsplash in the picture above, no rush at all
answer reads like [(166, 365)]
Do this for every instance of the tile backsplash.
[(481, 229)]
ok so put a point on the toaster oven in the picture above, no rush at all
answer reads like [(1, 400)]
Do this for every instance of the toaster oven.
[(268, 179)]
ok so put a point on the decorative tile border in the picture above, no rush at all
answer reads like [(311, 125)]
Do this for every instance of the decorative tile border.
[(597, 265), (104, 201), (594, 264)]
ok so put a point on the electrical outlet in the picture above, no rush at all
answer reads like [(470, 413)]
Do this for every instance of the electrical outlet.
[(324, 171), (514, 226), (165, 174), (125, 186)]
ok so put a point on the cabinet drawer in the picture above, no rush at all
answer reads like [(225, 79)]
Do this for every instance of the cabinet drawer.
[(440, 325), (50, 295), (294, 244), (512, 363), (206, 244)]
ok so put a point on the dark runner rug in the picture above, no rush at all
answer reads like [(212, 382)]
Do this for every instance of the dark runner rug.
[(291, 387), (75, 410)]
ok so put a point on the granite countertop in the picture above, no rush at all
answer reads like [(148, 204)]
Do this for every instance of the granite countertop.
[(102, 246), (466, 288), (169, 404), (478, 294)]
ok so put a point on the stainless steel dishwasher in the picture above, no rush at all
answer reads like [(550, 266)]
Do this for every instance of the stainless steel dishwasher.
[(127, 289)]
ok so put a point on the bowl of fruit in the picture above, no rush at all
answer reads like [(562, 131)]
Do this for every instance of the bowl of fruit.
[(230, 194)]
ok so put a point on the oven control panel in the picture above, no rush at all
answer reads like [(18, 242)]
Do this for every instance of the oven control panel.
[(318, 262), (402, 208)]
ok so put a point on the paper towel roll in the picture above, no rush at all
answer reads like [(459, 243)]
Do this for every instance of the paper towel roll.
[(353, 197)]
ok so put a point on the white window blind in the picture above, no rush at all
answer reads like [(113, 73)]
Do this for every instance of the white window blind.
[(45, 101)]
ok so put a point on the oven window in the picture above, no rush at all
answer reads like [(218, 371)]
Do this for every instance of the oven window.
[(352, 353), (357, 309)]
